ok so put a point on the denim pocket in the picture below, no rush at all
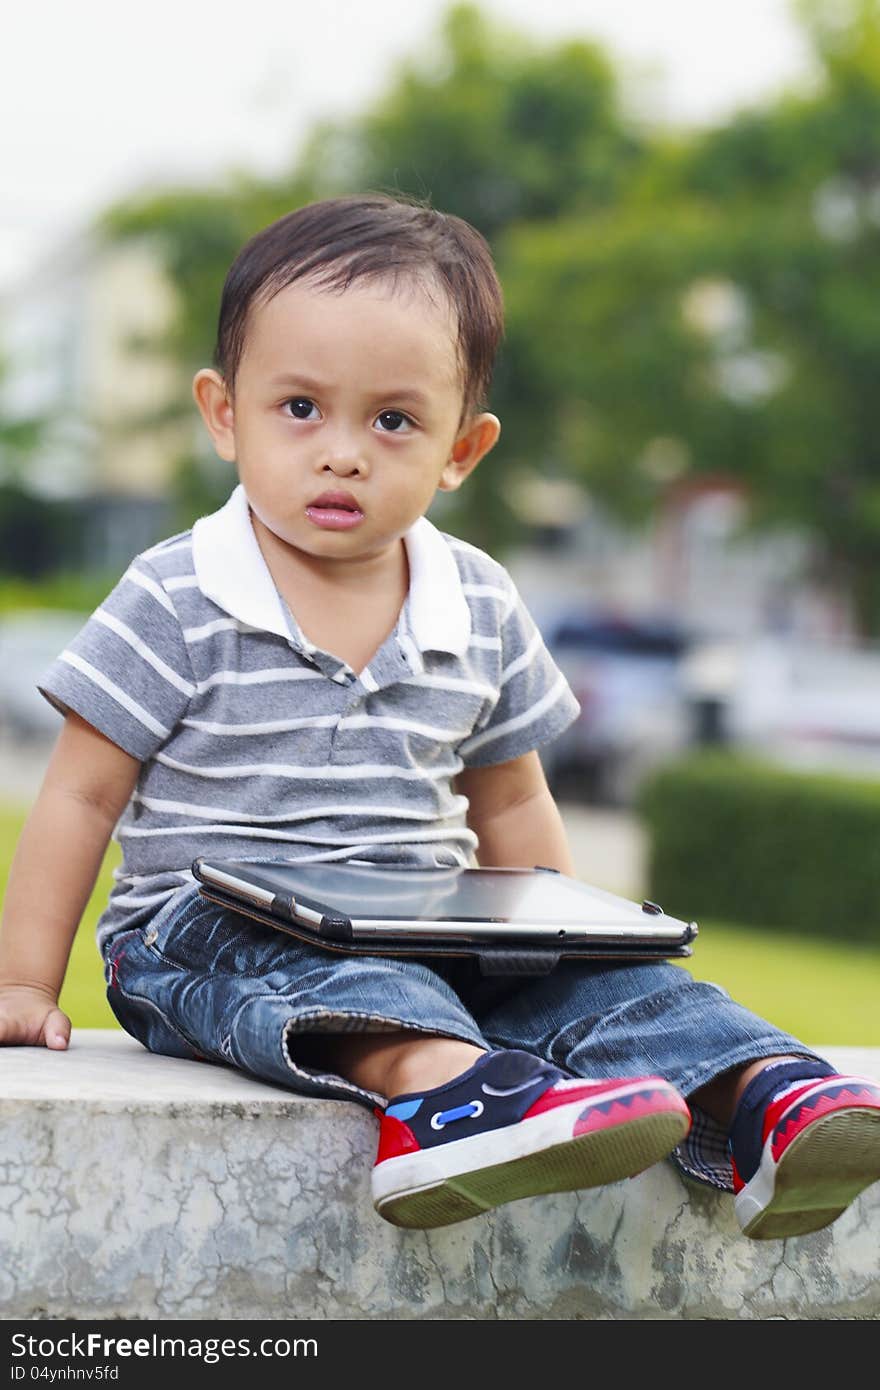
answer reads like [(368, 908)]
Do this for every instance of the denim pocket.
[(146, 1022), (200, 936), (140, 991)]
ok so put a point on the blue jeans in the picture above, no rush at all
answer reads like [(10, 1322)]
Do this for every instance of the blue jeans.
[(205, 983)]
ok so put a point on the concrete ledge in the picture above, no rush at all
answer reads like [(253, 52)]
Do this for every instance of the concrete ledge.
[(145, 1187)]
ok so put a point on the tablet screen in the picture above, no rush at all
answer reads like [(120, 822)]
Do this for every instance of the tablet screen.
[(513, 896)]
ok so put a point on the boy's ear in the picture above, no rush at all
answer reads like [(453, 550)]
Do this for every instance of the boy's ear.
[(478, 436), (209, 391)]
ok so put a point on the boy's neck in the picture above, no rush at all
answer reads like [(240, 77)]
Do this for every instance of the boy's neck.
[(372, 592), (287, 565)]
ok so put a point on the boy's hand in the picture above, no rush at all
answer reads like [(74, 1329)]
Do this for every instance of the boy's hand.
[(32, 1018)]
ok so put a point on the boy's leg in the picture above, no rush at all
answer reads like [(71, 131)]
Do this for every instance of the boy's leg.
[(387, 1064), (513, 1126), (772, 1120), (465, 1130), (804, 1142), (475, 1128)]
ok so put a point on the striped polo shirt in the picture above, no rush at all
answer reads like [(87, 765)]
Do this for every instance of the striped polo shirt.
[(257, 744)]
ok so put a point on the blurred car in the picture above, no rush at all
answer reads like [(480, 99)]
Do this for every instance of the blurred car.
[(805, 703), (29, 642), (628, 675)]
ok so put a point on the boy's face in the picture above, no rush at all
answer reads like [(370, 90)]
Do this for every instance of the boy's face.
[(347, 415)]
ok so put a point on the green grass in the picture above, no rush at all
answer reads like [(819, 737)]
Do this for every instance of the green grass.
[(77, 592), (824, 994)]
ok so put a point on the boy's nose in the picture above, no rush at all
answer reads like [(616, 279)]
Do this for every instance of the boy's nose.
[(344, 467), (343, 457)]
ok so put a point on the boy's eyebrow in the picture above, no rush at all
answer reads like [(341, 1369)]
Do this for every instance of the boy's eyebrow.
[(305, 383), (409, 394)]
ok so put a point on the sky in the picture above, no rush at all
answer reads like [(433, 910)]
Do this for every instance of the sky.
[(98, 99)]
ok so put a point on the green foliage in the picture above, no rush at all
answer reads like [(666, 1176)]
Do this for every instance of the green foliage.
[(79, 592), (489, 127), (748, 842), (596, 334)]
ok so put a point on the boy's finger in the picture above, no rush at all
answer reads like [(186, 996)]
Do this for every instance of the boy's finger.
[(56, 1030)]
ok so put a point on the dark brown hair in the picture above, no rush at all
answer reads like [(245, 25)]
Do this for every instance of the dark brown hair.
[(371, 236)]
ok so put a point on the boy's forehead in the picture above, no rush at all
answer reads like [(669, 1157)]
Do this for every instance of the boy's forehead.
[(384, 323)]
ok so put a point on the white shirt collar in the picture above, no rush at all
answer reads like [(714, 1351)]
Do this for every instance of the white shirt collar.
[(231, 571)]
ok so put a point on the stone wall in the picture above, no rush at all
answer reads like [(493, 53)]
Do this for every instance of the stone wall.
[(134, 1186)]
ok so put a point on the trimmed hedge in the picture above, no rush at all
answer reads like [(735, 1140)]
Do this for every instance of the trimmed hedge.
[(746, 841)]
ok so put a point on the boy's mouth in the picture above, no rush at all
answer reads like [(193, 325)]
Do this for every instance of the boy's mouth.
[(335, 511)]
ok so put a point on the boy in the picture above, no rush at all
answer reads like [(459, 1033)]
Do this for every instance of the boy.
[(315, 672)]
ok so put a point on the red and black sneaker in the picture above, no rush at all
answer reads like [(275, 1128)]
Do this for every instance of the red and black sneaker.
[(513, 1126), (821, 1148)]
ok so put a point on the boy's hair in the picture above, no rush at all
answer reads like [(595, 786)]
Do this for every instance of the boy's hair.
[(373, 237)]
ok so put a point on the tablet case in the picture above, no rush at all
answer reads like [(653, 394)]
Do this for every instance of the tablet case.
[(519, 959)]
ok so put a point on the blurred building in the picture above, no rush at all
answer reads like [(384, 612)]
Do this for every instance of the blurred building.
[(695, 562), (76, 347)]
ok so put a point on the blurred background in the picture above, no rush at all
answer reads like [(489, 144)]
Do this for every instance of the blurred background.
[(684, 205)]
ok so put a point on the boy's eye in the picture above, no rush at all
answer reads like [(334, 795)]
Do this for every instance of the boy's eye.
[(301, 408), (392, 421)]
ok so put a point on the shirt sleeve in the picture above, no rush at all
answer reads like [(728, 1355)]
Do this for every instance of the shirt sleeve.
[(127, 671), (535, 702)]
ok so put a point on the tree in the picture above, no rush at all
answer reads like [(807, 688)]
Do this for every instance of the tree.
[(490, 127), (722, 317)]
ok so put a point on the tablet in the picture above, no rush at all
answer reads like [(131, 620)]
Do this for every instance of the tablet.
[(367, 903)]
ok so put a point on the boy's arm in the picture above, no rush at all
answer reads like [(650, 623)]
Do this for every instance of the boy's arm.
[(514, 816), (85, 789)]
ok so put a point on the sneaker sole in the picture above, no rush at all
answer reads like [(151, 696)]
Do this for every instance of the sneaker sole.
[(591, 1159), (817, 1177)]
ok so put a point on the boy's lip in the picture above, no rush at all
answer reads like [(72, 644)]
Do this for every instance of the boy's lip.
[(335, 511)]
